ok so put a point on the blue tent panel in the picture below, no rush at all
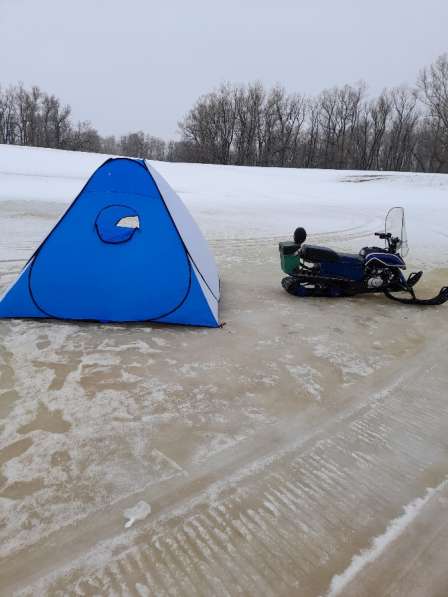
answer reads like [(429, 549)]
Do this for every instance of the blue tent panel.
[(94, 267), (195, 309), (17, 302)]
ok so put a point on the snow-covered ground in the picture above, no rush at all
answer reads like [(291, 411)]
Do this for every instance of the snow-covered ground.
[(297, 450), (231, 202)]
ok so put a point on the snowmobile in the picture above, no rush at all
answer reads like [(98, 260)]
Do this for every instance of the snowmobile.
[(319, 271)]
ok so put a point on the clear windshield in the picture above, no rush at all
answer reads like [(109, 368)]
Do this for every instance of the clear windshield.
[(396, 225)]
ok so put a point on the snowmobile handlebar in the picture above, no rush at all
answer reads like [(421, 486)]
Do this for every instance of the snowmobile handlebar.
[(393, 242)]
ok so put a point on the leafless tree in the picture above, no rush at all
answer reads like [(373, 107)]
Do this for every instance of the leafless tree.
[(85, 138), (401, 137), (140, 145), (8, 123), (433, 87), (211, 125)]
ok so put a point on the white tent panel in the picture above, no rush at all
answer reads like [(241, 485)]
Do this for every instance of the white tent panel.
[(211, 300), (190, 233)]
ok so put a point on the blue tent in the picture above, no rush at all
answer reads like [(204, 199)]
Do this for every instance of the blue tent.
[(126, 249)]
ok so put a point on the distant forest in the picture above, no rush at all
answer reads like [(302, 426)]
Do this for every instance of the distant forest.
[(404, 128)]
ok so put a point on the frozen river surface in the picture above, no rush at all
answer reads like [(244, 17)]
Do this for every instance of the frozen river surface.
[(299, 450)]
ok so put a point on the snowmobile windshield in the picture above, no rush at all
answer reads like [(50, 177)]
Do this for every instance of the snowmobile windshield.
[(396, 226)]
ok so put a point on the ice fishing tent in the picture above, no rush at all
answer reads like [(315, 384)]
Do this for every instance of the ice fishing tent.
[(127, 249)]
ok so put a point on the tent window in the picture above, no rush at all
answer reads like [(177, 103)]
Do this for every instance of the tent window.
[(129, 222), (117, 224)]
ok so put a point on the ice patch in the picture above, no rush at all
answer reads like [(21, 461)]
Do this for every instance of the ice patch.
[(305, 374), (338, 354), (269, 381), (194, 369), (139, 512), (142, 590), (137, 345), (215, 443)]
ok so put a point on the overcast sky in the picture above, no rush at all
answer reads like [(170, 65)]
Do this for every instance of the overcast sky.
[(139, 64)]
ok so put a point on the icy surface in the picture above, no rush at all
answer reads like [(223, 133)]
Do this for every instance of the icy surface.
[(272, 450)]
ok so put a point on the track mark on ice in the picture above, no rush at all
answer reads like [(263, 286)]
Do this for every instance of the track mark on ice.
[(395, 528)]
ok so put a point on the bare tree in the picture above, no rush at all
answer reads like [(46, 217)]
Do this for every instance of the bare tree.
[(248, 106), (139, 145), (8, 122), (109, 145), (85, 138), (211, 125), (368, 135), (401, 137), (433, 87)]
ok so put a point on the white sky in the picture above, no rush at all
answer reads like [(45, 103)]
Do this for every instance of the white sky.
[(139, 64)]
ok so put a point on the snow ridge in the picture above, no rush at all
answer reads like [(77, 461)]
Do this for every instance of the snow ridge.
[(395, 528)]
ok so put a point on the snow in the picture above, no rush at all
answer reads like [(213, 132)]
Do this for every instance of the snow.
[(29, 173), (139, 512), (233, 202), (382, 542)]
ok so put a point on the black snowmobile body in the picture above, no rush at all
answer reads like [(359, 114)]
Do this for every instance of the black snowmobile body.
[(319, 271)]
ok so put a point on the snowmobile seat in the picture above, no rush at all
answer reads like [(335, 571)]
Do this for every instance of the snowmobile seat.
[(316, 254), (333, 264)]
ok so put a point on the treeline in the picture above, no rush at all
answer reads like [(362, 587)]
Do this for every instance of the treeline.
[(404, 128), (32, 117)]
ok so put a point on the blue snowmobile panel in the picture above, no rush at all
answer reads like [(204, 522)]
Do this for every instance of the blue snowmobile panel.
[(347, 266)]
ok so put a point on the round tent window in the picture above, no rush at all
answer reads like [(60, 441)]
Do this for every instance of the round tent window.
[(117, 224)]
